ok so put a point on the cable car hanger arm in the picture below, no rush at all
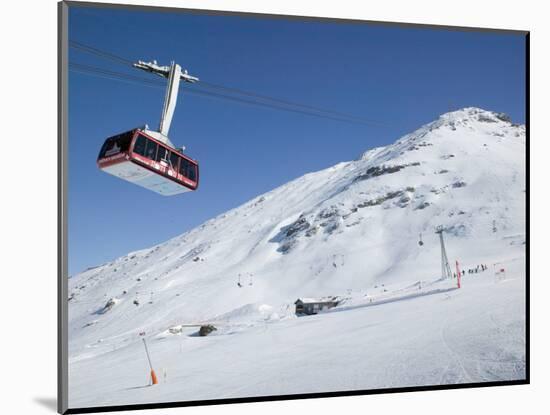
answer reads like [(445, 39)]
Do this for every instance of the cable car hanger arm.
[(174, 74), (163, 71)]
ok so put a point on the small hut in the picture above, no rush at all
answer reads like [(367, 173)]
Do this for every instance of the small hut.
[(309, 306)]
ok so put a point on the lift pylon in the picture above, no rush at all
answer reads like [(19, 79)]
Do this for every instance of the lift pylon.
[(445, 267)]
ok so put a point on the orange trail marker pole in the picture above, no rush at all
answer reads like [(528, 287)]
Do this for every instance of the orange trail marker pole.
[(153, 374)]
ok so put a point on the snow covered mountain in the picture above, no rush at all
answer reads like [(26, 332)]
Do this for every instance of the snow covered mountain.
[(352, 231)]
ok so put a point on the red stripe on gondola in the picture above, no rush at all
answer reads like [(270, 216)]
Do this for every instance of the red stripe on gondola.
[(112, 160), (151, 164)]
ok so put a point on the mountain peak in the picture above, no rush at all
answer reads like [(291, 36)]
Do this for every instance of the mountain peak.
[(475, 114), (465, 119)]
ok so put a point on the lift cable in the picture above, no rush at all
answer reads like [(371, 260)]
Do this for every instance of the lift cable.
[(98, 52), (285, 102), (113, 75), (119, 76), (265, 100)]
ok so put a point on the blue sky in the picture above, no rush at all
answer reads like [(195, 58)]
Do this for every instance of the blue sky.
[(399, 77)]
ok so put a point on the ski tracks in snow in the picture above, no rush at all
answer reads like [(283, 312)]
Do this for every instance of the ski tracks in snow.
[(457, 358)]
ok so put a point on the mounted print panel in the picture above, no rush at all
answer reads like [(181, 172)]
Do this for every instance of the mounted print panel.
[(258, 207)]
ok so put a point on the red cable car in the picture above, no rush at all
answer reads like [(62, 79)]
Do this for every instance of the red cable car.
[(148, 158), (137, 157)]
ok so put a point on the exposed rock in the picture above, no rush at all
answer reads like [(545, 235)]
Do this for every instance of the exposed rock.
[(206, 330), (376, 171), (404, 201), (503, 117), (329, 219), (287, 246), (379, 171), (456, 230), (330, 226), (312, 231), (485, 118), (422, 205), (381, 199), (328, 212), (298, 225)]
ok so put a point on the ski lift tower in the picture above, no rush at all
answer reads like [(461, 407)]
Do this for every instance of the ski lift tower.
[(445, 267), (174, 74)]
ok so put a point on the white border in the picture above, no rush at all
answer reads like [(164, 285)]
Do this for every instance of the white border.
[(29, 211)]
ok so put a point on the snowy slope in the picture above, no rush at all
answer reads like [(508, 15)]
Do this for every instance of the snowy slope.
[(345, 231)]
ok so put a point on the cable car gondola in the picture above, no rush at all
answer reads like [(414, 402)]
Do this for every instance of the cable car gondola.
[(137, 157), (148, 158)]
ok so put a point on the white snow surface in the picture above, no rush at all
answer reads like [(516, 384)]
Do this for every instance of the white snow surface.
[(350, 231)]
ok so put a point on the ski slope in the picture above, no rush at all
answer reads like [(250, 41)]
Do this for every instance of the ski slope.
[(350, 231)]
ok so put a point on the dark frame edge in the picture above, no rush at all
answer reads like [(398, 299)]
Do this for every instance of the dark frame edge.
[(62, 264)]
